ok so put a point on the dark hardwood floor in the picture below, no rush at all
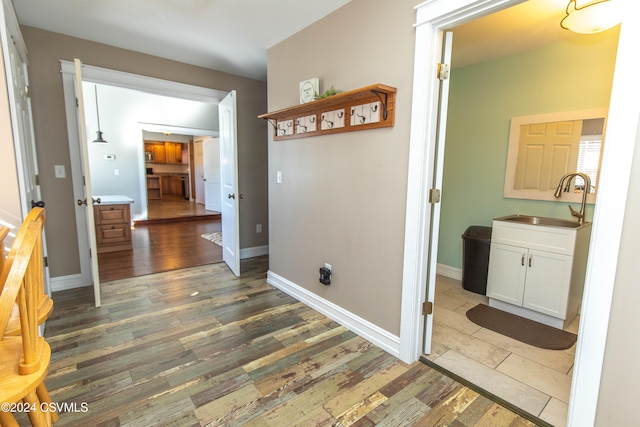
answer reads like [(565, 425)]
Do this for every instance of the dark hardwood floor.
[(200, 346), (170, 241)]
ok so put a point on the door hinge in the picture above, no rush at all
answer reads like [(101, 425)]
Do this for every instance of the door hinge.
[(37, 179), (77, 103), (27, 92), (427, 308), (90, 256), (434, 195), (46, 261), (443, 71)]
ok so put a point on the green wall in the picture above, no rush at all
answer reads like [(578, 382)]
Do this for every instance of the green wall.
[(566, 76)]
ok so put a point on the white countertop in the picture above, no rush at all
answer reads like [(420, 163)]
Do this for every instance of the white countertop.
[(113, 200)]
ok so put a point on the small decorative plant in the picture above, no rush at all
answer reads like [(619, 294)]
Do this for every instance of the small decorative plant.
[(327, 93)]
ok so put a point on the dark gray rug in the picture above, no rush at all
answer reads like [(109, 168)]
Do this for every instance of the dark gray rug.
[(521, 329)]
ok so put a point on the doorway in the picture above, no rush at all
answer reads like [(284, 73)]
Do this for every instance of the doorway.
[(431, 20), (134, 150)]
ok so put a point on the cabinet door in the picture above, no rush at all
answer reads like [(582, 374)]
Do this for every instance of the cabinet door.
[(159, 153), (178, 151), (548, 279), (507, 273), (170, 150)]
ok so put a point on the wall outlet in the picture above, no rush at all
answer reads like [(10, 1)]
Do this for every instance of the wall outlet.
[(258, 228)]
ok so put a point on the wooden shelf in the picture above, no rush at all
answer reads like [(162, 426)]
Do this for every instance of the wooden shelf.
[(370, 107)]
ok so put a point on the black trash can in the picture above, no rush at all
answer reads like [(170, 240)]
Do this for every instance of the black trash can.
[(475, 258)]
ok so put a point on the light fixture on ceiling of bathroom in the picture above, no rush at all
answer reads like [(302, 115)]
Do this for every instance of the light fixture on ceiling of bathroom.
[(99, 139), (591, 16)]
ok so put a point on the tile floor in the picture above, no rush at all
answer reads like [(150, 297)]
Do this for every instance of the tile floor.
[(533, 379)]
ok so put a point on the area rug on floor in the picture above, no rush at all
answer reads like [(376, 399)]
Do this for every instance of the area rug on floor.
[(521, 329), (214, 237)]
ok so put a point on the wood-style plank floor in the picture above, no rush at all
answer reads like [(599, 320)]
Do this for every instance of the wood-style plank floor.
[(200, 346)]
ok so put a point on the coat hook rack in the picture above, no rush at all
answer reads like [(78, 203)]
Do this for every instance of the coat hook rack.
[(350, 111)]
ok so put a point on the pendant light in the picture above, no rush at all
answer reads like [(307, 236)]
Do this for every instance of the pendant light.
[(99, 139), (591, 16)]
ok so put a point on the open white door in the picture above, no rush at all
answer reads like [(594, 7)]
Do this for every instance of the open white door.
[(443, 75), (211, 167), (15, 62), (229, 184), (87, 203)]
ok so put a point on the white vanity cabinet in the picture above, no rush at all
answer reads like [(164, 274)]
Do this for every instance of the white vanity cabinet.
[(537, 271)]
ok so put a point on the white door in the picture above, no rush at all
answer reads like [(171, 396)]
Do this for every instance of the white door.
[(211, 169), (22, 128), (198, 168), (436, 178), (87, 203), (229, 177)]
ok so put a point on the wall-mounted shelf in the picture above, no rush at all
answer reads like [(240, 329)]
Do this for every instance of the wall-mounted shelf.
[(370, 107)]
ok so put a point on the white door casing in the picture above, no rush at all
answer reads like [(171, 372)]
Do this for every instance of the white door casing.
[(211, 169), (88, 199), (229, 183)]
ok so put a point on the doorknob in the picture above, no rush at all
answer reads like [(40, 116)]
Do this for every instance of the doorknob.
[(84, 202), (231, 196)]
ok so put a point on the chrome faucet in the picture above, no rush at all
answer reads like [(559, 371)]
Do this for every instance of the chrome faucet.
[(587, 186)]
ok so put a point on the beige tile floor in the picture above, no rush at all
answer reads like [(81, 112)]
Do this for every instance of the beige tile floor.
[(534, 379)]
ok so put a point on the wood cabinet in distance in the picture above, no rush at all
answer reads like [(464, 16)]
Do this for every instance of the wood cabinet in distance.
[(113, 227), (154, 188)]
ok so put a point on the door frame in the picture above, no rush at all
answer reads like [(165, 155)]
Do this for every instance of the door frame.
[(152, 127), (125, 80), (435, 16)]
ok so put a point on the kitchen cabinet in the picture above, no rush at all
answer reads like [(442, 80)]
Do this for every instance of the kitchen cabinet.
[(173, 152), (154, 187), (537, 271), (165, 152), (172, 184), (158, 150), (113, 226)]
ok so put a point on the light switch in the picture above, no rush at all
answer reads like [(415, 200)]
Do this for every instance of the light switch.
[(279, 177), (116, 172), (59, 171)]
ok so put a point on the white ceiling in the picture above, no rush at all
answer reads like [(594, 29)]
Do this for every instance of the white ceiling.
[(233, 35), (226, 35)]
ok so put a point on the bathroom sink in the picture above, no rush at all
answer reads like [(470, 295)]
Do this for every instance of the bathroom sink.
[(543, 221)]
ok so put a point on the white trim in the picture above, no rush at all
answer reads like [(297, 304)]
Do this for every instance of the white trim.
[(254, 251), (378, 336), (63, 283), (145, 83), (450, 272), (433, 17)]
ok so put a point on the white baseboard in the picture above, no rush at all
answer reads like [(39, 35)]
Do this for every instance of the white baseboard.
[(63, 283), (448, 271), (254, 251), (378, 336)]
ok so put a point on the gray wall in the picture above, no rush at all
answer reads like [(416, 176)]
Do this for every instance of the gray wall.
[(342, 197), (46, 49)]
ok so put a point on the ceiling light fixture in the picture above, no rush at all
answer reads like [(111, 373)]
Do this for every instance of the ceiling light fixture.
[(99, 139), (591, 16)]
